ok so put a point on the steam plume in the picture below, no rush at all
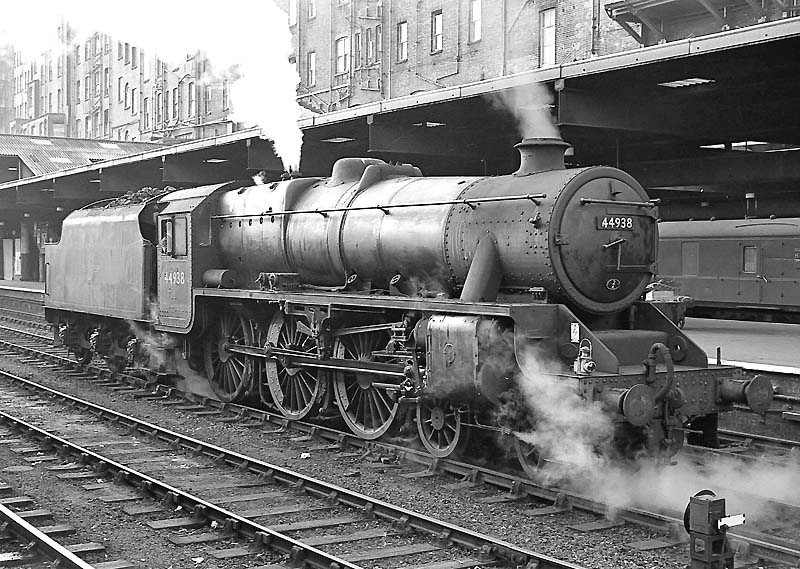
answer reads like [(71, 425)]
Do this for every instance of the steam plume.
[(248, 42), (572, 433), (531, 107), (574, 436)]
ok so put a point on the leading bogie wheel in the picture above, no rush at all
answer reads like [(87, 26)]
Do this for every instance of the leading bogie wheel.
[(295, 391), (229, 373), (440, 427), (528, 455), (369, 410)]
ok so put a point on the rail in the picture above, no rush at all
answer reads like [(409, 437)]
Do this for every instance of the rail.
[(45, 545)]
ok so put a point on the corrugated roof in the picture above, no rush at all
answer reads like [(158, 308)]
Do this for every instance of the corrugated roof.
[(43, 155)]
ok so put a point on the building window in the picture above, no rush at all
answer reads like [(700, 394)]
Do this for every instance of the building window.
[(547, 37), (146, 112), (312, 9), (311, 69), (134, 57), (402, 41), (60, 101), (370, 39), (50, 71), (127, 52), (78, 90), (166, 106), (86, 88), (378, 42), (127, 95), (292, 12), (342, 55), (119, 89), (175, 103), (207, 100), (87, 131), (106, 124), (106, 81), (436, 31), (159, 107), (134, 102), (119, 50), (59, 68), (97, 83), (96, 120), (77, 54), (190, 110), (225, 88), (50, 103), (357, 50), (87, 50), (749, 259), (475, 21), (77, 133)]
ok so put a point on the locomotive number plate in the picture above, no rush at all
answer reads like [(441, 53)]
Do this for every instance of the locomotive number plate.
[(614, 222)]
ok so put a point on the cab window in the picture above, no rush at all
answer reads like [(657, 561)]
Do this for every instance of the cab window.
[(174, 237), (180, 248)]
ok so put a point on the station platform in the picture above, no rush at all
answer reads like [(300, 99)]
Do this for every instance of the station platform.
[(763, 346)]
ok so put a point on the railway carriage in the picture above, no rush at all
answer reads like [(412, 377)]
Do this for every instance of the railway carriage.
[(740, 268), (379, 293)]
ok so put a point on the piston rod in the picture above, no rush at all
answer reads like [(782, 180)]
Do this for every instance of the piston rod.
[(295, 358)]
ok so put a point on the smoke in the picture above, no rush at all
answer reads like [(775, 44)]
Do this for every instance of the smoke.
[(573, 435), (247, 42), (575, 438), (752, 488), (531, 106)]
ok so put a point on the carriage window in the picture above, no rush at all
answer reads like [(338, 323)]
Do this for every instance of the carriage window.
[(180, 246), (749, 259), (690, 258)]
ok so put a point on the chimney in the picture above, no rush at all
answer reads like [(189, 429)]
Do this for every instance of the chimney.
[(540, 154)]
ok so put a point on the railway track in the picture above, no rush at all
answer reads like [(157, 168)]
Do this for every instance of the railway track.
[(222, 490), (512, 488), (26, 545), (748, 447)]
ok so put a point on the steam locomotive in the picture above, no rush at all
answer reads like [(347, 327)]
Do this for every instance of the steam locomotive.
[(379, 294)]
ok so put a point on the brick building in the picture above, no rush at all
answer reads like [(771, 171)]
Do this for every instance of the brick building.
[(6, 87), (350, 52), (99, 87)]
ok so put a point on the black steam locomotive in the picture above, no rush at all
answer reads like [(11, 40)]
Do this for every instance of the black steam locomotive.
[(378, 293)]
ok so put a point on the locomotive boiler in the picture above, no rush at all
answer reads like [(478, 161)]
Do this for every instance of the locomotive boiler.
[(379, 293)]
